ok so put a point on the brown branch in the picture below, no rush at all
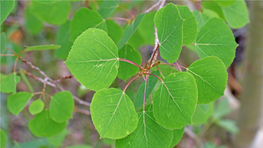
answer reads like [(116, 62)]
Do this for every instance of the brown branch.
[(82, 111), (65, 77)]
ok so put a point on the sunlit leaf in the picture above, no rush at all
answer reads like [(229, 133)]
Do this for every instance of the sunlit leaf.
[(3, 139), (17, 102), (36, 107), (177, 136), (201, 18), (169, 24), (42, 47), (84, 19), (42, 125), (94, 63), (175, 100), (113, 114), (129, 30), (5, 7), (225, 3), (211, 77), (211, 5), (215, 38), (127, 70), (61, 106), (107, 7)]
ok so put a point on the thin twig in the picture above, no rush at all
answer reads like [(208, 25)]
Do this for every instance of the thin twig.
[(44, 85), (125, 60), (82, 111), (126, 11), (118, 18), (178, 66), (130, 82), (144, 95), (65, 77), (154, 75), (7, 55), (153, 6)]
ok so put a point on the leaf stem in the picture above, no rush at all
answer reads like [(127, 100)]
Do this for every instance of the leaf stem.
[(154, 75), (118, 18), (126, 11), (130, 82), (7, 55), (128, 61), (178, 66), (144, 95)]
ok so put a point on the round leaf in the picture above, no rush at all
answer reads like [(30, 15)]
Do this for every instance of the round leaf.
[(127, 70), (107, 7), (175, 100), (85, 19), (43, 126), (169, 24), (177, 136), (211, 77), (6, 7), (201, 18), (225, 3), (113, 114), (215, 38), (148, 134), (8, 84), (16, 102), (36, 107), (61, 106), (93, 59)]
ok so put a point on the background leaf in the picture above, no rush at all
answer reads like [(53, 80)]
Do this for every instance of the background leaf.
[(127, 70), (200, 116), (94, 63), (6, 8), (177, 136), (107, 8), (3, 139), (8, 84), (42, 47), (211, 77), (228, 125), (32, 24), (175, 99), (61, 106), (113, 114), (17, 102), (114, 31), (43, 126), (36, 107)]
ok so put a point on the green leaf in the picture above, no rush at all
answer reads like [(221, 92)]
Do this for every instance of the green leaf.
[(17, 102), (114, 30), (165, 69), (42, 47), (6, 7), (201, 18), (169, 24), (57, 140), (55, 13), (62, 39), (2, 138), (136, 39), (129, 30), (36, 107), (46, 1), (32, 24), (79, 146), (10, 60), (151, 82), (3, 42), (107, 7), (215, 38), (38, 143), (127, 70), (94, 63), (211, 5), (225, 3), (210, 13), (175, 99), (177, 136), (61, 106), (222, 108), (211, 77), (42, 125), (189, 25), (113, 114), (85, 19), (228, 125), (200, 116), (237, 14), (204, 107), (24, 78), (8, 84), (148, 134), (108, 141)]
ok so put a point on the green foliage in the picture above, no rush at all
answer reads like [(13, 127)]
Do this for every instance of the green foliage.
[(228, 125), (225, 3), (201, 18), (211, 5), (107, 7), (114, 30), (177, 135), (17, 102), (42, 47), (57, 140), (24, 78), (52, 13), (147, 134), (61, 106), (32, 24), (200, 115), (97, 59), (8, 84), (42, 125), (85, 19), (2, 139), (112, 110), (129, 30), (169, 24), (79, 146), (36, 107), (213, 37), (211, 78), (63, 39), (5, 7), (3, 42), (127, 70), (178, 95), (237, 14)]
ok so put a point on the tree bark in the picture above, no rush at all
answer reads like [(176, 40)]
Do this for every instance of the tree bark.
[(251, 112)]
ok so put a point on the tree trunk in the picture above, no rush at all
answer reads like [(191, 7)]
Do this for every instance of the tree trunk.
[(251, 112)]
